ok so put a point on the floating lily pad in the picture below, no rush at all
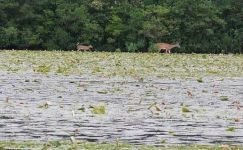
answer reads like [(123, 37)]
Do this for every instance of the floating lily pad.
[(224, 98), (231, 129), (102, 92), (199, 80), (82, 109), (100, 109), (184, 109)]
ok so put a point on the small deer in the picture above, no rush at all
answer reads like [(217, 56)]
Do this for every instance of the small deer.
[(167, 47), (83, 48)]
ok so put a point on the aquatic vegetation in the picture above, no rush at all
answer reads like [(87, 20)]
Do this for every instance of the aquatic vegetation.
[(82, 109), (189, 93), (43, 69), (205, 91), (212, 72), (199, 80), (12, 69), (236, 119), (140, 94), (164, 141), (97, 69), (224, 98), (67, 145), (171, 132), (152, 105), (44, 105), (184, 109), (231, 129), (102, 92), (99, 109), (109, 64), (204, 56), (63, 70), (55, 143), (26, 80)]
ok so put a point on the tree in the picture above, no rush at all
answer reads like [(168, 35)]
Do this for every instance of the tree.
[(199, 25), (203, 26)]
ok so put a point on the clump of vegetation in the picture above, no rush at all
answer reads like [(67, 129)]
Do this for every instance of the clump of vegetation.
[(204, 56), (97, 69), (205, 91), (44, 105), (57, 145), (171, 132), (13, 69), (62, 70), (212, 72), (224, 98), (143, 65), (102, 92), (27, 80), (43, 69), (99, 109), (200, 80), (164, 141), (151, 105), (184, 109), (231, 129), (82, 109), (154, 105)]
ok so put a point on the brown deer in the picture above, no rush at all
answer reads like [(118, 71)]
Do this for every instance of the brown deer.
[(167, 47), (83, 48)]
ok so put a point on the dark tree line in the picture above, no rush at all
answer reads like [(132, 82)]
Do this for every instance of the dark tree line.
[(201, 26)]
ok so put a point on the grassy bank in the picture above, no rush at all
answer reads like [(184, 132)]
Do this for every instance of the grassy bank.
[(104, 146), (122, 64)]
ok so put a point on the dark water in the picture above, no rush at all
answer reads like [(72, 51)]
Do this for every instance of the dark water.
[(127, 101)]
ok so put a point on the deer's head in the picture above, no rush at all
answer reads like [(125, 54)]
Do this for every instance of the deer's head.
[(178, 45), (90, 46)]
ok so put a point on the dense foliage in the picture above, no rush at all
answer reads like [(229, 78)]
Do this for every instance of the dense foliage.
[(207, 26)]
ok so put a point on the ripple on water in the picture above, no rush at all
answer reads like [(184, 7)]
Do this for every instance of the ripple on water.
[(128, 114)]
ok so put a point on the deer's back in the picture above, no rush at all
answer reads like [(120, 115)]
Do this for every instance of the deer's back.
[(163, 45), (83, 47)]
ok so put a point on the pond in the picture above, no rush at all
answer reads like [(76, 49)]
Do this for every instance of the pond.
[(152, 111)]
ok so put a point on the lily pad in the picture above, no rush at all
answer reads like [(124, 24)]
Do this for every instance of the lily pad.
[(224, 98), (184, 109), (99, 109)]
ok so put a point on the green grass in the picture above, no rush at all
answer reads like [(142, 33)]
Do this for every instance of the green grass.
[(107, 64), (57, 145)]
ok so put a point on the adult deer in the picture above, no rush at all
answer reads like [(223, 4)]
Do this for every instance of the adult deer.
[(167, 47), (81, 47)]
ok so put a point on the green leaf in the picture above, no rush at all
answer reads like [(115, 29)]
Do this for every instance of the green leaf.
[(184, 109)]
